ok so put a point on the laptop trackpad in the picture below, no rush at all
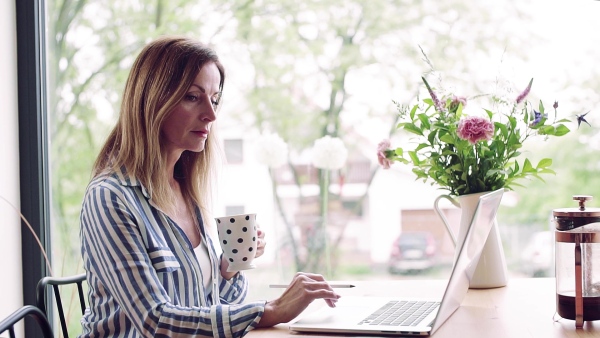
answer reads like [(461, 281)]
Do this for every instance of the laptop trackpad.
[(347, 310)]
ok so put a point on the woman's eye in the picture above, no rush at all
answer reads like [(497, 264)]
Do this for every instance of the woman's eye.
[(191, 97), (215, 103)]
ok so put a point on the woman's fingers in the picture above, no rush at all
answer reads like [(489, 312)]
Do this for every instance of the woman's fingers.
[(261, 243), (303, 290), (311, 286)]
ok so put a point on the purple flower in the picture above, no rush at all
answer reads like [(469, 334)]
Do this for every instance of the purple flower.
[(555, 105), (581, 118), (537, 117), (524, 94), (439, 106), (382, 149), (475, 129)]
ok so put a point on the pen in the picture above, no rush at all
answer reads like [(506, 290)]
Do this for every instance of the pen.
[(341, 286)]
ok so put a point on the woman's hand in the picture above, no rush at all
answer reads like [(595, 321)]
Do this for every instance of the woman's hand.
[(260, 245), (304, 288)]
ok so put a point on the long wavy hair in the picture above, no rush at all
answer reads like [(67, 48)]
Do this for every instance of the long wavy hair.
[(159, 78)]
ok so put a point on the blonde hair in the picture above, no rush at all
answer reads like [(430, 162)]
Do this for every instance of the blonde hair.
[(159, 78)]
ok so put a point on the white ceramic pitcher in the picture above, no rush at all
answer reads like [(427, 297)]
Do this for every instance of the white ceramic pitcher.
[(491, 269)]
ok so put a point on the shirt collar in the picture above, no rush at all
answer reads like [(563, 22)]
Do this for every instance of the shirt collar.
[(128, 180)]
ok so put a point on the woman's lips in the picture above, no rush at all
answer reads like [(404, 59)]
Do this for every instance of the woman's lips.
[(200, 133)]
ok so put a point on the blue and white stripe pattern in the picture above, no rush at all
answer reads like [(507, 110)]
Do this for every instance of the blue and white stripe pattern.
[(144, 278)]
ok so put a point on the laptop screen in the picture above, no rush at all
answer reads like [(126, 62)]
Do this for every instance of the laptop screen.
[(468, 256)]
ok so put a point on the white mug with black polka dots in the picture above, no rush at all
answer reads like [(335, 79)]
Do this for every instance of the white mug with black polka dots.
[(238, 239)]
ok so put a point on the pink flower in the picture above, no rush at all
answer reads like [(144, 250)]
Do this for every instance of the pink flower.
[(456, 101), (382, 148), (475, 129), (524, 94), (459, 99)]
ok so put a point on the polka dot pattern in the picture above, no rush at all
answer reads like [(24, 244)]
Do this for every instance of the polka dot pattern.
[(237, 236)]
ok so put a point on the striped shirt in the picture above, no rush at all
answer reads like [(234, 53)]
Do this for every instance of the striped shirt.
[(144, 278)]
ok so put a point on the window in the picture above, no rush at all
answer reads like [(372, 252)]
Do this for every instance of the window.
[(234, 210), (234, 151), (305, 72)]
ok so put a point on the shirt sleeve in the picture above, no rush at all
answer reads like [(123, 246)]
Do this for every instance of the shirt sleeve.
[(115, 255), (234, 290)]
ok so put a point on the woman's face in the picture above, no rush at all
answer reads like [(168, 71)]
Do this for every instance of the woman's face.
[(188, 124)]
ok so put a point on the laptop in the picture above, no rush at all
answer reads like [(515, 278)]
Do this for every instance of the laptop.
[(422, 317)]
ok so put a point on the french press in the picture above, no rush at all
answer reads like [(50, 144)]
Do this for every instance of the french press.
[(577, 262)]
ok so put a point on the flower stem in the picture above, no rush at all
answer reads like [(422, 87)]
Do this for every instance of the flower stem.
[(324, 211)]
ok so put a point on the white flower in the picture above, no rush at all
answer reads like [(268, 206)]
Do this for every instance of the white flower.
[(271, 150), (329, 153)]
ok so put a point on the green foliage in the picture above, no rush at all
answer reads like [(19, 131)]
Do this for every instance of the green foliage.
[(91, 46), (576, 166), (473, 160), (300, 54)]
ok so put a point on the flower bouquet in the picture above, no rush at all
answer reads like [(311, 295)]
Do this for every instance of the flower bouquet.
[(467, 154)]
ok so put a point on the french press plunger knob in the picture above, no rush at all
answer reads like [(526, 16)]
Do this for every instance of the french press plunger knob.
[(582, 199)]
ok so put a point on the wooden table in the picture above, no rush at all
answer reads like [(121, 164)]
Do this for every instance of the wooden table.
[(524, 308)]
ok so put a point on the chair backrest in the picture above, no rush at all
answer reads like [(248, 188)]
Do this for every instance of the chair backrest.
[(55, 282), (8, 323)]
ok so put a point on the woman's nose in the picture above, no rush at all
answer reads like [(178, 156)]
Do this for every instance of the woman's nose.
[(209, 111)]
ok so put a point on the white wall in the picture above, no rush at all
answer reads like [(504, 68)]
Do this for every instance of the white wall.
[(10, 230)]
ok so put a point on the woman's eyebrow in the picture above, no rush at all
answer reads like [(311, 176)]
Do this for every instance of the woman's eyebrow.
[(199, 87), (204, 90)]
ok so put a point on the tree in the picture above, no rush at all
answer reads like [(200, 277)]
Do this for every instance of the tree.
[(308, 56), (91, 45)]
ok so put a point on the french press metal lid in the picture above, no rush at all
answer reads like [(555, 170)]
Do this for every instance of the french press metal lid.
[(571, 218)]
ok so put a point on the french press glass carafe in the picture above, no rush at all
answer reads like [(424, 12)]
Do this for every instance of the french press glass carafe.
[(577, 259)]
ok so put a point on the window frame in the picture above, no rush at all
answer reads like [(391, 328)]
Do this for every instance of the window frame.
[(33, 144)]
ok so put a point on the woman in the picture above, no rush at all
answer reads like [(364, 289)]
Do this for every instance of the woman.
[(151, 267)]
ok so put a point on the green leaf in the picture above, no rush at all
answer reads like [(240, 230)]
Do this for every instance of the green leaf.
[(547, 130), (544, 163), (527, 167), (512, 121), (413, 111), (493, 172), (541, 109), (490, 114), (413, 129), (424, 121), (421, 146), (502, 128), (459, 110), (414, 157), (456, 167), (431, 136), (561, 130), (447, 138)]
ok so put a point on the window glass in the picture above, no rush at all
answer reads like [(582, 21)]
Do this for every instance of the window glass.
[(305, 70), (234, 210), (234, 151)]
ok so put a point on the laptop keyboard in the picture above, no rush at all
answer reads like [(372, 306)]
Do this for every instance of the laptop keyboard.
[(400, 313)]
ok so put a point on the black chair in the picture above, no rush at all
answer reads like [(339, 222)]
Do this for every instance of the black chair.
[(8, 323), (55, 282)]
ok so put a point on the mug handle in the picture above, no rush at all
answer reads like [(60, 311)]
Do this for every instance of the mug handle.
[(441, 214)]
